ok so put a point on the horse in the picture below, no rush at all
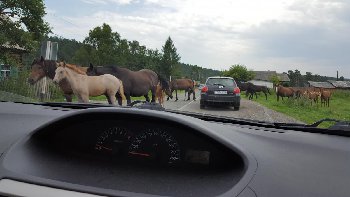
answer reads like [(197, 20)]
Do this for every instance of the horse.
[(243, 86), (313, 96), (182, 84), (41, 68), (162, 89), (325, 97), (136, 83), (84, 86), (284, 92), (253, 89), (159, 94)]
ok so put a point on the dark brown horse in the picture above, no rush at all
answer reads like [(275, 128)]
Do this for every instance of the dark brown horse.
[(182, 84), (243, 86), (253, 89), (136, 83), (284, 92), (41, 68)]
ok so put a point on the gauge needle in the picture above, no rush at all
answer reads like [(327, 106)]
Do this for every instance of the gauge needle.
[(104, 147), (140, 154)]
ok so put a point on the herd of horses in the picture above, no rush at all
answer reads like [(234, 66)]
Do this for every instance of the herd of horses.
[(114, 82), (309, 93), (118, 83)]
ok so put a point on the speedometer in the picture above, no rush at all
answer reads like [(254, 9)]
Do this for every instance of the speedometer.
[(156, 147), (114, 141)]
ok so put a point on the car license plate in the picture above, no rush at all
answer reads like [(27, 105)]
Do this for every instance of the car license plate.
[(220, 92)]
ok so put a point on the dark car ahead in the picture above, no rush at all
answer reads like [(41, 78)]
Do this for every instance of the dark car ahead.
[(222, 91)]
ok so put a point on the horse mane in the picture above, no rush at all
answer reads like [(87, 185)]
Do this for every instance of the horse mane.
[(163, 83), (75, 68)]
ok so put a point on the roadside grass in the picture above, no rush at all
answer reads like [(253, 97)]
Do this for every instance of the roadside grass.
[(302, 110)]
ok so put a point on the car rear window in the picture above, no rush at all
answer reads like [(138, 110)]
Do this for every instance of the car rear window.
[(221, 81)]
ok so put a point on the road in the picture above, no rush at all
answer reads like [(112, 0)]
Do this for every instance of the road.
[(248, 110)]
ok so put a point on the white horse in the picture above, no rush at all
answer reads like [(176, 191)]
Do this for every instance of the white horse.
[(84, 86)]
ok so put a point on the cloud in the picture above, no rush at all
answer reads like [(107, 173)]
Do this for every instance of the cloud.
[(275, 34), (120, 2)]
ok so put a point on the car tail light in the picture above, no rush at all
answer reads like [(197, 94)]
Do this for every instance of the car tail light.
[(205, 89), (237, 91)]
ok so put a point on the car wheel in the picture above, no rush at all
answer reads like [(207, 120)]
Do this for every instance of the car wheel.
[(236, 108)]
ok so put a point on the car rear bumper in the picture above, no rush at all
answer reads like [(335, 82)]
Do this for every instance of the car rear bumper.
[(232, 100)]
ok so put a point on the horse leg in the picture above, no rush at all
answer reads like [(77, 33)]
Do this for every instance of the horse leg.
[(176, 95), (119, 98), (194, 94), (108, 99), (154, 94), (83, 98), (146, 96), (327, 102), (265, 95), (189, 94), (111, 99), (68, 97), (128, 99)]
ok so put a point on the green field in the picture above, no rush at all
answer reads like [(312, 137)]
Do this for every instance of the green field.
[(301, 109)]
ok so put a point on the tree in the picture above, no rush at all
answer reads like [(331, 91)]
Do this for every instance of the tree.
[(308, 76), (105, 42), (239, 73), (170, 59), (275, 79), (22, 24), (341, 78)]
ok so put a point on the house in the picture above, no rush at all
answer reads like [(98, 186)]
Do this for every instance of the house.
[(16, 52), (324, 84), (340, 84), (264, 78)]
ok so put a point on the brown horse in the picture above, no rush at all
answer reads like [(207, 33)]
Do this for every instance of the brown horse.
[(41, 68), (325, 97), (84, 86), (284, 92), (136, 83), (312, 96), (182, 84), (160, 94)]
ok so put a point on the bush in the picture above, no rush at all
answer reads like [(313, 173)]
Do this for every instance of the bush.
[(18, 85)]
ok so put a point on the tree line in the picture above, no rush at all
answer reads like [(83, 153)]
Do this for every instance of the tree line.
[(104, 47)]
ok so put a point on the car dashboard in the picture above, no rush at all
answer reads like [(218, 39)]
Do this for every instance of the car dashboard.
[(61, 151)]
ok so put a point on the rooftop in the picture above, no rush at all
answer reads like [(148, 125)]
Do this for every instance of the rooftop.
[(266, 75), (321, 84), (340, 84)]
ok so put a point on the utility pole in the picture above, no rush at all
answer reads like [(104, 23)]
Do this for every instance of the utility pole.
[(48, 52)]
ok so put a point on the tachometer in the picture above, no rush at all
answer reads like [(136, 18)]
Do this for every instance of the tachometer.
[(114, 140), (155, 146)]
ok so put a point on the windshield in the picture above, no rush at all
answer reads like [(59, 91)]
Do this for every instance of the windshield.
[(288, 58), (220, 81)]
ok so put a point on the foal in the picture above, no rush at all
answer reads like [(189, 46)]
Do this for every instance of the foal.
[(160, 94)]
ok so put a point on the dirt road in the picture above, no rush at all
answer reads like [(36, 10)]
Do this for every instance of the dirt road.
[(248, 110)]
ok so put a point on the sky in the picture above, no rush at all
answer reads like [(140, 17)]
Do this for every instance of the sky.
[(280, 35)]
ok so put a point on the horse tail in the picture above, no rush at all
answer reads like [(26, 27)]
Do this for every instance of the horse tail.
[(121, 90)]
